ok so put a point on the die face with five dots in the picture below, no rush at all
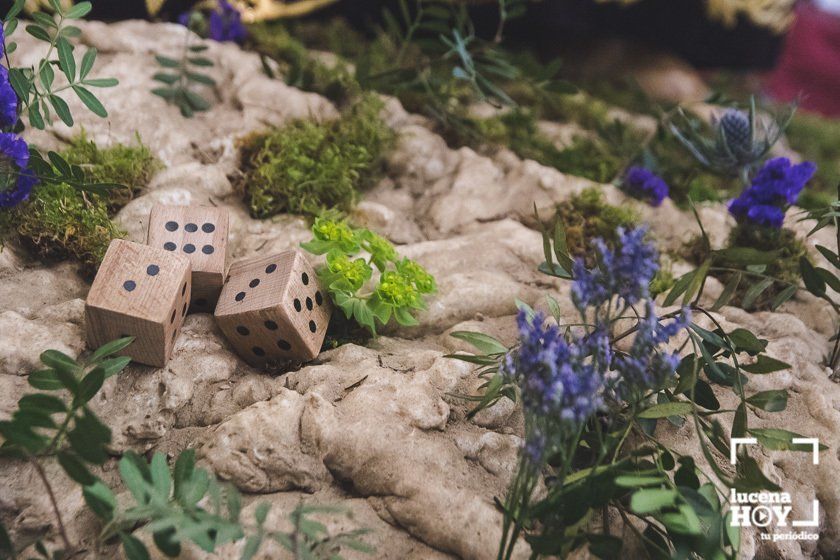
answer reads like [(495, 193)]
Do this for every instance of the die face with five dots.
[(200, 234), (272, 309), (139, 291)]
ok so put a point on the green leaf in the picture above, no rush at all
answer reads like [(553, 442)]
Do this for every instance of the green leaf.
[(167, 62), (781, 440), (252, 545), (100, 500), (745, 341), (90, 385), (739, 423), (742, 256), (61, 109), (665, 410), (750, 478), (754, 291), (132, 476), (65, 59), (183, 472), (75, 468), (638, 481), (771, 401), (765, 364), (166, 78), (43, 402), (679, 288), (167, 542), (87, 63), (782, 297), (20, 84), (47, 76), (651, 500), (484, 343), (90, 101), (38, 32), (110, 348), (200, 78), (829, 255), (59, 361), (728, 291), (16, 8), (813, 281), (89, 437), (114, 365), (195, 101), (45, 379), (78, 11), (261, 512), (161, 481), (133, 547), (101, 82), (200, 61)]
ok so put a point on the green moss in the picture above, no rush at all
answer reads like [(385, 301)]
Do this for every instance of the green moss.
[(132, 166), (302, 70), (308, 167), (787, 249), (817, 139), (59, 222), (587, 216)]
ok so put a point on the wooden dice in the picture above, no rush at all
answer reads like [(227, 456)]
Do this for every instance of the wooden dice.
[(272, 309), (200, 234), (139, 291)]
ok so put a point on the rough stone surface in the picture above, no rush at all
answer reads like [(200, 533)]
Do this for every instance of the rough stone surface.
[(373, 429)]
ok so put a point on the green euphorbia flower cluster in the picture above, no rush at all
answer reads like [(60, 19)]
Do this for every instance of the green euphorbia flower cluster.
[(401, 287)]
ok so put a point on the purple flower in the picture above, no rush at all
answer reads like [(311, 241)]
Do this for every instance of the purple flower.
[(226, 24), (16, 180), (557, 378), (644, 184), (8, 101), (775, 187), (625, 273), (645, 367)]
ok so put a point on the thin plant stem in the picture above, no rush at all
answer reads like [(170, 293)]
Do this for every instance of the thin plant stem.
[(43, 476)]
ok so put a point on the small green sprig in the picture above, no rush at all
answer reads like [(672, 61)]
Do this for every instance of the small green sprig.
[(61, 425), (36, 86), (401, 287), (188, 504), (182, 74)]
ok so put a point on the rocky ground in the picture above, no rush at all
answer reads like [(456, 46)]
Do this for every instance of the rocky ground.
[(375, 429)]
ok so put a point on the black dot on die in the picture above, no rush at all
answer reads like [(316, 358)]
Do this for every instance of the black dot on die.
[(184, 310), (309, 304), (172, 318), (152, 270), (243, 330), (171, 226), (270, 268), (208, 228), (169, 246), (312, 326), (258, 351), (207, 249), (254, 283), (297, 305), (240, 296), (284, 345), (129, 285), (271, 325), (184, 289), (191, 227), (319, 299), (305, 279), (189, 248)]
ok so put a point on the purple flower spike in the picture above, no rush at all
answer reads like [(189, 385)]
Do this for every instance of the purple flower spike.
[(16, 180)]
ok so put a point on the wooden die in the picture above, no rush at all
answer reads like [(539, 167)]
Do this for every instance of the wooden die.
[(199, 233), (139, 291), (272, 309)]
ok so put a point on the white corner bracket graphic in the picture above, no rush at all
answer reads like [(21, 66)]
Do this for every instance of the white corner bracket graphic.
[(736, 441), (815, 443)]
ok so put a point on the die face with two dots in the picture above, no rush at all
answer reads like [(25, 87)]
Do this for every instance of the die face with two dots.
[(200, 234), (139, 291), (272, 309)]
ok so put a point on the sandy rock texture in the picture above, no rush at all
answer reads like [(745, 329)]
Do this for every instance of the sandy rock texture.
[(374, 429)]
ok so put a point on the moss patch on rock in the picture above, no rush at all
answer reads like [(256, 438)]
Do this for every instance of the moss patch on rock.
[(587, 216), (307, 167), (59, 222), (130, 165)]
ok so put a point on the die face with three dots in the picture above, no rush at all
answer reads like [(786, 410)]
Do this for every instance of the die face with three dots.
[(139, 291), (200, 234), (272, 309)]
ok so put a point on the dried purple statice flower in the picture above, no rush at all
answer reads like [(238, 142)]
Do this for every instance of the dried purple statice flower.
[(644, 184), (16, 181), (226, 24), (772, 191)]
